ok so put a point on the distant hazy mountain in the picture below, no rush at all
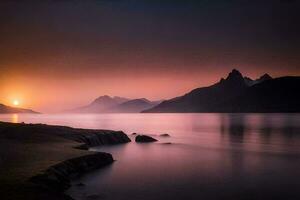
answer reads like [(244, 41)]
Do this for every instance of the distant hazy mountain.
[(239, 94), (107, 104), (133, 106), (8, 109), (100, 104)]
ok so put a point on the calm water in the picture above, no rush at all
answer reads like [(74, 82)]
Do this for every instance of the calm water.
[(211, 156)]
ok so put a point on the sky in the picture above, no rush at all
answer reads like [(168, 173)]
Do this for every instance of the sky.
[(61, 54)]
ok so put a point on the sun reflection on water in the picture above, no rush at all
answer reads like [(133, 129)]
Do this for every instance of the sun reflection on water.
[(15, 118)]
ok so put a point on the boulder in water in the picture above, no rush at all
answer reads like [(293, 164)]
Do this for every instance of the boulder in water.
[(144, 138)]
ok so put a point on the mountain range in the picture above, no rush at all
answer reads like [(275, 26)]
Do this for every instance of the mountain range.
[(233, 94), (8, 109), (107, 104), (237, 93)]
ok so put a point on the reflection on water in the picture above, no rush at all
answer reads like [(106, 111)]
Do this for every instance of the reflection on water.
[(234, 126), (15, 118), (212, 156)]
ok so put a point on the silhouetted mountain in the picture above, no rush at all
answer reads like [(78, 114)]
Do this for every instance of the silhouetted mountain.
[(198, 100), (274, 95), (251, 82), (8, 109), (235, 94), (234, 83), (107, 104), (133, 106), (100, 104)]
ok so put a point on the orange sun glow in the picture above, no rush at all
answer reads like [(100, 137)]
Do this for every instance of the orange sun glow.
[(16, 102)]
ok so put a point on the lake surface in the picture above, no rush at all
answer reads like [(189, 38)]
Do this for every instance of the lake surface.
[(211, 156)]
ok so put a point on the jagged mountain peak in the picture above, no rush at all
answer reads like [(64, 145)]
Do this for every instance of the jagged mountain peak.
[(265, 77), (274, 95), (235, 74), (234, 80), (262, 78)]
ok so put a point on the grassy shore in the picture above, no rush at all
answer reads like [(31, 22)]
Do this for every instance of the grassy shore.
[(25, 151)]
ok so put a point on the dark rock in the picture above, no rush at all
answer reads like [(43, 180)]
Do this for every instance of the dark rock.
[(144, 138), (82, 147), (97, 138), (89, 137), (58, 176), (164, 135)]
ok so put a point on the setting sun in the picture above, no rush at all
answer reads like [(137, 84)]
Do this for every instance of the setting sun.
[(16, 102)]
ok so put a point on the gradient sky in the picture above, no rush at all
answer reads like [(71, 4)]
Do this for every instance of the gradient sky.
[(60, 54)]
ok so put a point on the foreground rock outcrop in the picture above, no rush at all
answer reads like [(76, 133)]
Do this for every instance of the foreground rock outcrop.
[(144, 139), (58, 177), (39, 160), (87, 137), (100, 138)]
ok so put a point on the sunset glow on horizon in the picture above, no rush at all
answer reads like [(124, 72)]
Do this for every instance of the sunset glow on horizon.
[(16, 102), (195, 99), (70, 53)]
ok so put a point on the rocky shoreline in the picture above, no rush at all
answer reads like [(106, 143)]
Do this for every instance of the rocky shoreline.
[(72, 156), (58, 177), (88, 137)]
